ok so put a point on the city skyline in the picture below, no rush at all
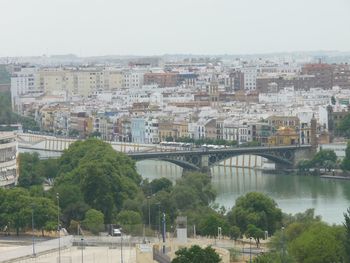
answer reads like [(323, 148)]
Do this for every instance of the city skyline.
[(91, 28)]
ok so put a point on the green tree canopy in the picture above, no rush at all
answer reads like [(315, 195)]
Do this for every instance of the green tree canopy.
[(97, 175), (157, 185), (127, 217), (34, 171), (323, 158), (93, 221), (254, 232), (346, 225), (193, 189), (346, 161), (343, 128), (16, 207), (318, 243), (210, 224), (8, 117), (256, 209), (196, 254)]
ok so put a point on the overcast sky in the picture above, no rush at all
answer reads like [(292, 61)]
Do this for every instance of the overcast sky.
[(154, 27)]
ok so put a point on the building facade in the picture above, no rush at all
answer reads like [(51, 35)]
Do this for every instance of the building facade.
[(8, 159)]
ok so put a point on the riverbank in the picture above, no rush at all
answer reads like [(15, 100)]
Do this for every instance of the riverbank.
[(336, 174), (335, 177)]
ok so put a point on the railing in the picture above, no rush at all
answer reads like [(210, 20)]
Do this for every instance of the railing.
[(160, 257), (40, 248)]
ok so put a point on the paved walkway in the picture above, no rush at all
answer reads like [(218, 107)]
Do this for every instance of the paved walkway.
[(88, 255), (9, 254)]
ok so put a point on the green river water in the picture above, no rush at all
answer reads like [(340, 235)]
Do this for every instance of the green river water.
[(330, 198)]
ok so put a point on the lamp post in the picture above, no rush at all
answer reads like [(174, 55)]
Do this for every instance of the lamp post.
[(164, 232), (250, 250), (282, 244), (158, 219), (33, 238), (82, 250), (149, 212), (121, 246), (58, 227)]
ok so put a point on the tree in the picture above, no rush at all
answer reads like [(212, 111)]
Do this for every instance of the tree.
[(73, 133), (156, 185), (318, 243), (196, 254), (343, 127), (345, 165), (94, 221), (210, 224), (257, 209), (34, 171), (200, 184), (16, 208), (91, 172), (44, 211), (254, 232), (95, 134), (346, 225), (128, 217), (235, 232), (324, 159), (333, 100), (272, 257), (28, 166), (130, 221), (304, 166)]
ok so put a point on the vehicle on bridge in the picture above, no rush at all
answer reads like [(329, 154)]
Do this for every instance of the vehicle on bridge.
[(177, 144)]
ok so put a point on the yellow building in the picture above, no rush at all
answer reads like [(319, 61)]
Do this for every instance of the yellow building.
[(180, 129), (83, 82), (284, 136), (52, 80), (113, 79), (165, 129)]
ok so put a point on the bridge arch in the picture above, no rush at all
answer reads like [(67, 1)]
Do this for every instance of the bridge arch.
[(284, 160), (181, 163)]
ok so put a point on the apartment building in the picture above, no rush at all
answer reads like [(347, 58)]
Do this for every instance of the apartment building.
[(163, 80), (25, 81), (341, 76), (8, 159), (249, 75), (323, 74), (133, 79)]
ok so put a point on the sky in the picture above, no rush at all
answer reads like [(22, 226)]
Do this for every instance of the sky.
[(156, 27)]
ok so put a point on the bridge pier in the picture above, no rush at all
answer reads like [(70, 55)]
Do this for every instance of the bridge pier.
[(204, 164)]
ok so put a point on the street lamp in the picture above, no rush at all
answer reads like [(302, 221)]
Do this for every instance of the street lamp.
[(121, 246), (58, 227), (164, 231), (82, 250), (149, 212), (282, 244), (33, 238), (250, 250), (158, 219)]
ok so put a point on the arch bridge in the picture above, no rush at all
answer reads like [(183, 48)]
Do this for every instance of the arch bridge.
[(285, 157)]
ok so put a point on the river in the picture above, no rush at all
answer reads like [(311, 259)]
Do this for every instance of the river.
[(330, 198)]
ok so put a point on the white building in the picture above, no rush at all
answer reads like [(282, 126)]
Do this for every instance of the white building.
[(8, 159), (151, 130), (250, 74), (133, 79), (24, 82)]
